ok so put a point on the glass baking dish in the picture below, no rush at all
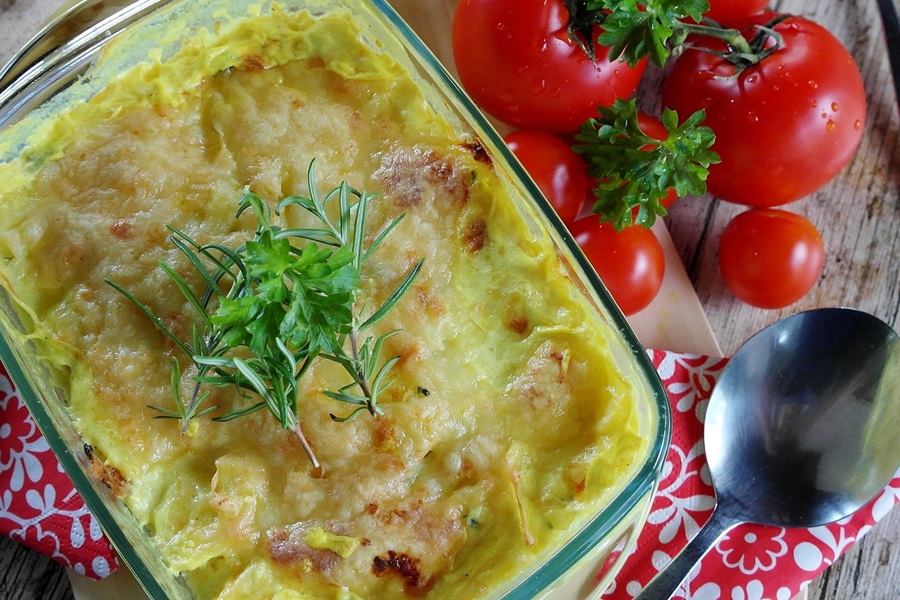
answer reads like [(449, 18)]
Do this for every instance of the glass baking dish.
[(63, 71)]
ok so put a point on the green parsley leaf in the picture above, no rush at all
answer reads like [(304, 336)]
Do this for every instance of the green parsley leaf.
[(635, 171)]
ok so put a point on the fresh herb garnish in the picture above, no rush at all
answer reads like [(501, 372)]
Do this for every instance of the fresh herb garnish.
[(272, 306), (634, 170), (655, 29)]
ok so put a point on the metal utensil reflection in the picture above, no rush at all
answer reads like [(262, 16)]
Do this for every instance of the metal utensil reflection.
[(800, 429)]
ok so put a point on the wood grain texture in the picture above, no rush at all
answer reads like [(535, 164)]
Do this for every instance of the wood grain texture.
[(858, 215), (27, 575)]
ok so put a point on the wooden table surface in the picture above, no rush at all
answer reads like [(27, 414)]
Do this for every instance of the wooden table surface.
[(858, 215)]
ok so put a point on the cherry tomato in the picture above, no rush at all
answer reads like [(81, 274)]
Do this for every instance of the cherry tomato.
[(731, 12), (784, 127), (770, 258), (630, 262), (516, 60), (555, 168)]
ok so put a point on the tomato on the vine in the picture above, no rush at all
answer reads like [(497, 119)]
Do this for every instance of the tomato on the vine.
[(556, 169), (630, 262), (517, 61), (785, 126), (730, 12), (770, 258)]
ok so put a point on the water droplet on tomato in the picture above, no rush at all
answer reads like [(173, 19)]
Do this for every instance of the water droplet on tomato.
[(538, 45), (555, 92), (857, 124), (812, 83), (501, 26), (538, 85), (752, 116), (830, 125), (824, 115), (813, 104), (834, 106), (753, 78)]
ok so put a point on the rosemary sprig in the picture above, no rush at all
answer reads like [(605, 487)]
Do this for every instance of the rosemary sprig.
[(271, 307)]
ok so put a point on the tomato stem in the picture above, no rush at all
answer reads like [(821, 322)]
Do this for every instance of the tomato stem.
[(734, 38)]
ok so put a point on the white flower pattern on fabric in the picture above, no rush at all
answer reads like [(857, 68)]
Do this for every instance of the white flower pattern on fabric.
[(753, 549), (676, 511), (752, 591), (23, 445)]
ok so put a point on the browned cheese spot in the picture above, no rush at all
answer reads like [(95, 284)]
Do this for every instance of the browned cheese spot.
[(475, 236), (411, 176), (404, 566), (433, 305), (478, 151), (518, 324), (121, 229), (109, 475), (252, 62), (287, 549)]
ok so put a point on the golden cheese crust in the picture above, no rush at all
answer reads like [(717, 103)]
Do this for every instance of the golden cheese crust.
[(508, 422)]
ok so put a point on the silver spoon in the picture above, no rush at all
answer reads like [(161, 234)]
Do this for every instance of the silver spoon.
[(801, 429)]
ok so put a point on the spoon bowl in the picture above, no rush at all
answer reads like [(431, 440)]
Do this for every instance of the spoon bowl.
[(800, 428)]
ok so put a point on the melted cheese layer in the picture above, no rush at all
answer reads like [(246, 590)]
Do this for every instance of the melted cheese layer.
[(508, 423)]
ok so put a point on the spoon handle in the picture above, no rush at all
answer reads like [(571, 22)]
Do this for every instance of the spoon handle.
[(673, 574)]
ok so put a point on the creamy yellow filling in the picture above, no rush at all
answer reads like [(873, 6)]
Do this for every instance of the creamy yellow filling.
[(508, 422)]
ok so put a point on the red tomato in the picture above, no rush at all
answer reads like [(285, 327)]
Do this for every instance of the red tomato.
[(784, 127), (729, 12), (630, 262), (770, 258), (555, 168), (516, 60)]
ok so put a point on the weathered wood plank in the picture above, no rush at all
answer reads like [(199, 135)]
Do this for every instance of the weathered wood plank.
[(28, 575)]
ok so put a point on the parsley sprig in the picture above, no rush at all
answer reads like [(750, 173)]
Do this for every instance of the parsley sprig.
[(634, 170), (276, 304), (655, 29)]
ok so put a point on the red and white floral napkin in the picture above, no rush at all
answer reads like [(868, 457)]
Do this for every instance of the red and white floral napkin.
[(752, 562), (39, 507)]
